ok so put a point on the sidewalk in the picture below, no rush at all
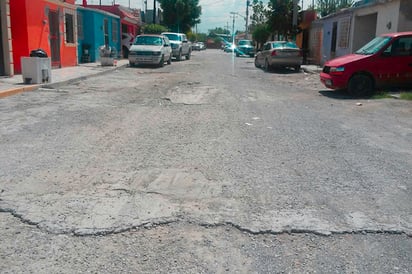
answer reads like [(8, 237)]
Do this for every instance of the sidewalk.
[(311, 68), (14, 85)]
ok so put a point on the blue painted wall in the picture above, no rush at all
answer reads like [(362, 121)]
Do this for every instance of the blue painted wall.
[(91, 22)]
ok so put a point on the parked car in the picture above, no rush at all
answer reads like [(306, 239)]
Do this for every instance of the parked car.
[(279, 54), (198, 46), (384, 61), (229, 47), (245, 47), (180, 45), (202, 46), (127, 42), (150, 49)]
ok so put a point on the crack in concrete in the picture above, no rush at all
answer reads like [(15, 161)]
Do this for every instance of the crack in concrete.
[(86, 232), (306, 231), (19, 216)]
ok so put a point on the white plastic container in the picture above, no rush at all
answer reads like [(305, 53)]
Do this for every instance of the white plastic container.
[(36, 70)]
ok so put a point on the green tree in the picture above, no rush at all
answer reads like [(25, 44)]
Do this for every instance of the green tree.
[(201, 37), (180, 15), (326, 7), (260, 34), (259, 13), (154, 29), (281, 17), (214, 32)]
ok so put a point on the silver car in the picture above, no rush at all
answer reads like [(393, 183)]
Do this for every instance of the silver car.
[(180, 45), (279, 54), (151, 50)]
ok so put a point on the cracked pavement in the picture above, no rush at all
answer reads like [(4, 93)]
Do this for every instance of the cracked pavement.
[(207, 166)]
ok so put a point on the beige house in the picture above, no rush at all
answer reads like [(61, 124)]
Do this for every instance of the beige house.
[(348, 30)]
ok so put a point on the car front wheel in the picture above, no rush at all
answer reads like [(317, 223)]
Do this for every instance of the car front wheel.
[(179, 57), (162, 61), (256, 62), (360, 85), (267, 66)]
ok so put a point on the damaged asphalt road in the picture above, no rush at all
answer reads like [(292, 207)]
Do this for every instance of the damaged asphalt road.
[(205, 166)]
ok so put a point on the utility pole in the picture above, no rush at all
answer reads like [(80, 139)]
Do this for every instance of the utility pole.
[(154, 11), (247, 17), (295, 13), (233, 26)]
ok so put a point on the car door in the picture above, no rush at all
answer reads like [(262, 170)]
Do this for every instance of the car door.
[(395, 63), (264, 53), (185, 44), (166, 47)]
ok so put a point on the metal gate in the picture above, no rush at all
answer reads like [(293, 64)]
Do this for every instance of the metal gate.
[(54, 38)]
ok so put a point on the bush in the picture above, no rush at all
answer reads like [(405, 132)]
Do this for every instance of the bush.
[(154, 29), (406, 95)]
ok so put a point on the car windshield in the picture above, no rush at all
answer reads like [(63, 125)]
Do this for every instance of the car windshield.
[(148, 40), (374, 46), (284, 44), (173, 37), (245, 43)]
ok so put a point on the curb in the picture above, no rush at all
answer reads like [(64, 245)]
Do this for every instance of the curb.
[(81, 78), (13, 91), (25, 88)]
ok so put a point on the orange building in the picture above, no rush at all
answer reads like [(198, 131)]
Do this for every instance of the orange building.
[(46, 24)]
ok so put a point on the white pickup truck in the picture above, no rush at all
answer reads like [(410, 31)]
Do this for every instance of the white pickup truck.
[(180, 45)]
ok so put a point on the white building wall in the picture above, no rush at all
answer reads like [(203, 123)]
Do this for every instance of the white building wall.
[(405, 16)]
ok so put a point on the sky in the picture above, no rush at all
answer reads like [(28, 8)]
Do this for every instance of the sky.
[(215, 13)]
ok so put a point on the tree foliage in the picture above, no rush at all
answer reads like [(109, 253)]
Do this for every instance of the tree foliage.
[(214, 32), (154, 29), (326, 7), (259, 13), (260, 34), (180, 15), (281, 17)]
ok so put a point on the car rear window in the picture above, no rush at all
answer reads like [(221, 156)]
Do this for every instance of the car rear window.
[(173, 37), (279, 45), (245, 42)]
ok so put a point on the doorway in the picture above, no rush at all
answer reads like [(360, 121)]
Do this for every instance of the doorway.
[(54, 38), (364, 30), (2, 64), (334, 38), (106, 32)]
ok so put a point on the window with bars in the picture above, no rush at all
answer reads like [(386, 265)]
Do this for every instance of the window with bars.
[(344, 30), (69, 28)]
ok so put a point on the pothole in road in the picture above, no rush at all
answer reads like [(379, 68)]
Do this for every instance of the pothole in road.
[(191, 94)]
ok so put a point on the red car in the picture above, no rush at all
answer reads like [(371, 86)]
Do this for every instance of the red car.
[(384, 61)]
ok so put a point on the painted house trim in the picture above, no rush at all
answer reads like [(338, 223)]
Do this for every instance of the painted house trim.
[(91, 23), (130, 21), (42, 24)]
